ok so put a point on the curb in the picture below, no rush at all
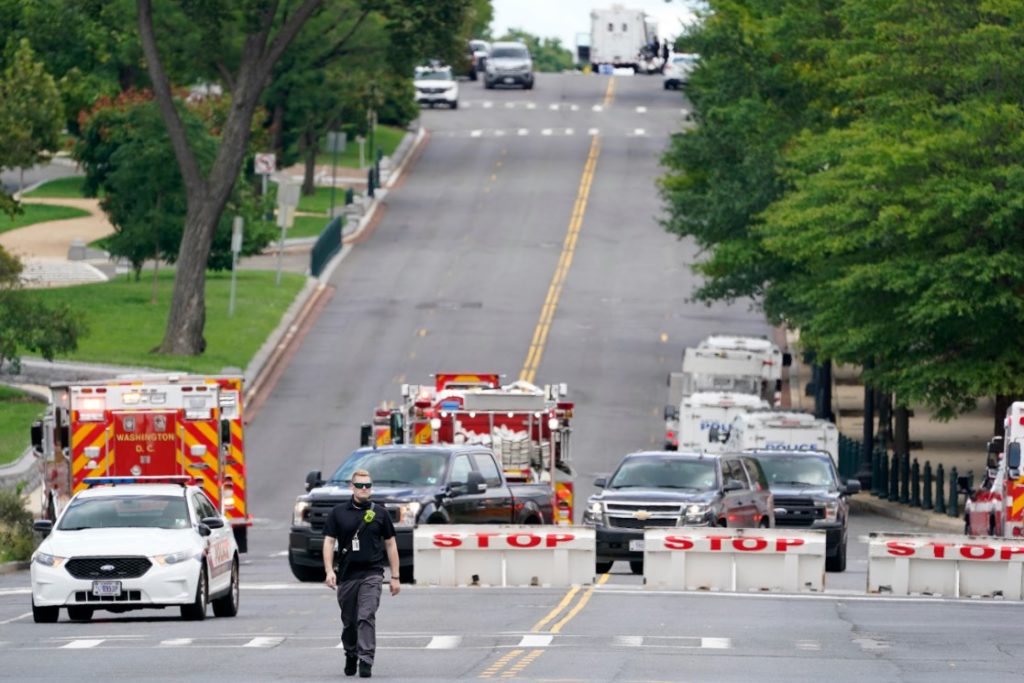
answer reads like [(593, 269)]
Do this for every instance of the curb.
[(928, 520), (12, 567)]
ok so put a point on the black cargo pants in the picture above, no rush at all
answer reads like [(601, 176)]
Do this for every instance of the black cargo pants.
[(359, 598)]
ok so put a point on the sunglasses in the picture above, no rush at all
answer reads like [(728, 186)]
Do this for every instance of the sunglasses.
[(362, 484)]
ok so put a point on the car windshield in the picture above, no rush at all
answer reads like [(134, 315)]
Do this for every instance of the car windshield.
[(672, 473), (509, 53), (798, 470), (434, 75), (114, 512), (395, 468), (735, 384)]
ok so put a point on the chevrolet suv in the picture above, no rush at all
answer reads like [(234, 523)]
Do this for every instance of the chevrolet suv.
[(672, 489), (809, 495)]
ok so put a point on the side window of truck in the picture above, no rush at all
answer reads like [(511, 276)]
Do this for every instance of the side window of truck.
[(489, 470), (460, 469), (734, 472)]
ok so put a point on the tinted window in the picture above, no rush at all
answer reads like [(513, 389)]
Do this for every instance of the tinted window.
[(460, 469), (204, 508), (734, 472), (799, 470), (681, 473), (390, 468), (160, 512), (510, 53), (485, 463), (753, 474)]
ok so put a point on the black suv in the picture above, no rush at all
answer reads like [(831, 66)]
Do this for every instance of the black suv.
[(669, 489), (810, 495)]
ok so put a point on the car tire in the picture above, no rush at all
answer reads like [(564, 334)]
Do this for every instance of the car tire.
[(405, 575), (241, 533), (488, 85), (454, 105), (472, 74), (603, 567), (637, 567), (991, 526), (227, 604), (307, 574), (763, 524), (77, 613), (528, 85), (45, 615), (197, 610), (837, 563), (667, 86)]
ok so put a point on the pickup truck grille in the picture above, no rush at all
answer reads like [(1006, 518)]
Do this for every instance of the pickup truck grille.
[(319, 512), (798, 511), (639, 515)]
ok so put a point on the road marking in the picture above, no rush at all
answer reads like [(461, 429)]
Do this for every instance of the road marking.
[(597, 107), (580, 604), (574, 107), (493, 177), (641, 110), (547, 314), (444, 642), (499, 133), (523, 131), (593, 131), (558, 608), (629, 641), (422, 332), (488, 104), (176, 642), (509, 105), (569, 131), (664, 337), (639, 131), (535, 640), (554, 107), (531, 105), (516, 668), (546, 131), (716, 643), (811, 645), (284, 553), (13, 619), (264, 641), (609, 94), (16, 591), (475, 133), (81, 644), (500, 664)]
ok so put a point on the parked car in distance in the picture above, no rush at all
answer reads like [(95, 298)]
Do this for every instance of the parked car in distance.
[(436, 85), (509, 64), (477, 57), (674, 488), (809, 495), (678, 69)]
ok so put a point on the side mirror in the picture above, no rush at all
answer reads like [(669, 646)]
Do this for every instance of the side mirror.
[(475, 483), (211, 523), (732, 486), (671, 412), (43, 526), (365, 435), (601, 482), (313, 480), (995, 444), (37, 437), (1013, 456), (852, 486)]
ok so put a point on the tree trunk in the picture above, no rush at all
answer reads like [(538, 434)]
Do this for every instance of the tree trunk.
[(310, 150), (999, 417), (884, 402), (277, 129), (901, 430)]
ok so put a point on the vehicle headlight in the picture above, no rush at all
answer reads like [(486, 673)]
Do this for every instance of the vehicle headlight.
[(48, 560), (695, 513), (300, 513), (594, 514), (831, 510), (407, 514), (175, 558)]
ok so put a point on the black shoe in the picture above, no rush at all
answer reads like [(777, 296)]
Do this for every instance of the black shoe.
[(364, 670), (350, 665)]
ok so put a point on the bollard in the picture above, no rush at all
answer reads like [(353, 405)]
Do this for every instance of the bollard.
[(954, 494), (905, 479), (350, 196), (927, 502), (883, 474), (894, 478), (369, 183), (915, 485), (875, 458), (940, 483)]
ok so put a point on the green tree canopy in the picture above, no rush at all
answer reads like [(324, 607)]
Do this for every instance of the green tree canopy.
[(547, 53)]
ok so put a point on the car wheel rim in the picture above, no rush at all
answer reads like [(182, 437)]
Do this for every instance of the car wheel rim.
[(202, 591), (234, 587)]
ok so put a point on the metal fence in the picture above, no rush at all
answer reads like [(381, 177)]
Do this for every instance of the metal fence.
[(327, 245)]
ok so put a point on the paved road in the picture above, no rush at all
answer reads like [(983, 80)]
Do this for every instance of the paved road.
[(455, 277)]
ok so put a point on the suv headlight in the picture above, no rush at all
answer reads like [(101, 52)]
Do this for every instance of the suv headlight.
[(300, 513), (407, 514), (831, 510), (594, 514), (695, 513), (48, 560), (175, 558)]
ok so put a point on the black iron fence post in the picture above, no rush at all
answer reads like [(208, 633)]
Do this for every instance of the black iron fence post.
[(905, 478), (894, 478), (915, 484), (927, 502), (940, 484), (953, 509)]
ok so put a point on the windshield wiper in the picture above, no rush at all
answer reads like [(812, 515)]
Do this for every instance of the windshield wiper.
[(78, 528), (684, 488), (798, 483), (391, 481)]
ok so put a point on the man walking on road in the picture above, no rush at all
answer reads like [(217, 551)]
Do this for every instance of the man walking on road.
[(366, 534)]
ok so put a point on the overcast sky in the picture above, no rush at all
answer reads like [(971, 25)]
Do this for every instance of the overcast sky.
[(565, 18)]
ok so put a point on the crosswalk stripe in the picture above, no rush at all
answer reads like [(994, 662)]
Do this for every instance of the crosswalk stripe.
[(569, 131), (593, 131), (554, 107), (641, 110), (264, 641), (523, 131), (476, 133), (81, 644), (535, 640), (546, 131), (176, 642), (499, 133), (488, 104), (716, 643), (639, 131), (574, 107), (597, 107), (510, 105), (629, 641), (444, 642)]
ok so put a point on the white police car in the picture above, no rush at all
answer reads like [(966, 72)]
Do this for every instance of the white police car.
[(129, 543)]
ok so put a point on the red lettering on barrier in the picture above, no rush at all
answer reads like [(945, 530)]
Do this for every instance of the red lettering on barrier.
[(899, 549), (986, 552), (1007, 552), (554, 539), (716, 541), (939, 549), (447, 540), (783, 544), (678, 543), (741, 544), (483, 538), (531, 540)]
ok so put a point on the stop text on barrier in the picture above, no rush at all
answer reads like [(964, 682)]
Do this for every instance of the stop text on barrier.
[(495, 540), (954, 551), (744, 544)]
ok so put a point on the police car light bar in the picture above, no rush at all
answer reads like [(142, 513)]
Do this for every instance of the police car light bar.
[(182, 480)]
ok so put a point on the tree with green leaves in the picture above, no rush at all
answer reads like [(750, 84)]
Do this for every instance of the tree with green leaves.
[(547, 53)]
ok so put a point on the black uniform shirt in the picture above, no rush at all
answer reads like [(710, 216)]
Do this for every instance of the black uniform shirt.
[(343, 522)]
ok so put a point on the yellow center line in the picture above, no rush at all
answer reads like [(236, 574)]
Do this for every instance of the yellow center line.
[(609, 94), (554, 613), (498, 665), (557, 628)]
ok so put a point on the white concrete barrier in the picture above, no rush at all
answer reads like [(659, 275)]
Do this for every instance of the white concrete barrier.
[(503, 555), (948, 565), (715, 559)]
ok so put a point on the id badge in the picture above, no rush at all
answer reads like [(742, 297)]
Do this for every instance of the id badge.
[(355, 545)]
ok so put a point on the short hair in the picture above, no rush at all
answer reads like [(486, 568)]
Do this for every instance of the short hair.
[(361, 473)]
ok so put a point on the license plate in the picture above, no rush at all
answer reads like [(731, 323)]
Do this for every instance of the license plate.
[(106, 588), (510, 80), (636, 546)]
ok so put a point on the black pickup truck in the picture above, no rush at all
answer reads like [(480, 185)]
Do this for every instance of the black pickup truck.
[(417, 485)]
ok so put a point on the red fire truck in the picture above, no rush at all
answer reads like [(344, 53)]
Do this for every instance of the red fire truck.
[(526, 426), (151, 425), (996, 507)]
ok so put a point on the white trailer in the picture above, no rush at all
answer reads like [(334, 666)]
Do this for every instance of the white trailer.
[(689, 426), (621, 37), (770, 430)]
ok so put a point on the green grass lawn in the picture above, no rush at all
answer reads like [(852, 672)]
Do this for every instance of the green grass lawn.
[(320, 202), (70, 187), (387, 139), (38, 213), (307, 226), (124, 326), (17, 411)]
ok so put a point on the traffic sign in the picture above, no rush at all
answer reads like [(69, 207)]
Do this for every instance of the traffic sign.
[(264, 164)]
